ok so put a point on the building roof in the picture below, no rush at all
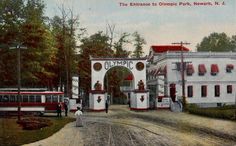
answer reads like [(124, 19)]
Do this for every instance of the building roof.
[(165, 48)]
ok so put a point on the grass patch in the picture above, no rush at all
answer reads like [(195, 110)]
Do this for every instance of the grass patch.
[(225, 112), (12, 134)]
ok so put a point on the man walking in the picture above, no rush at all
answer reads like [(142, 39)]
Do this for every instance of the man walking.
[(66, 109), (106, 106), (59, 110)]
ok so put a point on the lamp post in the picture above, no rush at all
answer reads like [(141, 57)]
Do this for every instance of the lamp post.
[(19, 47)]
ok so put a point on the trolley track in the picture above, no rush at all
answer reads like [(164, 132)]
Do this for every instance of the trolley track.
[(127, 133), (145, 123)]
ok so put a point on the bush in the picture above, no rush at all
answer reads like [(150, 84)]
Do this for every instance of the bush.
[(34, 123), (225, 112)]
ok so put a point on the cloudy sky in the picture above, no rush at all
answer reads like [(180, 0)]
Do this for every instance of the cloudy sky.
[(159, 25)]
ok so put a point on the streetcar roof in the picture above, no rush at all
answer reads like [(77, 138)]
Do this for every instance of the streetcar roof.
[(37, 93), (23, 89)]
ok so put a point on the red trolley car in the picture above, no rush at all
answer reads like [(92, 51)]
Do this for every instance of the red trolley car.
[(31, 101)]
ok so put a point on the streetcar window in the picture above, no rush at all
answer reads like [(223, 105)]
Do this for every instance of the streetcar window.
[(54, 98), (38, 98), (60, 98), (25, 98), (1, 98), (5, 98), (48, 98), (12, 98), (31, 98)]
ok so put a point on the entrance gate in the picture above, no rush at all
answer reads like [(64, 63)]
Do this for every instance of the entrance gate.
[(139, 96)]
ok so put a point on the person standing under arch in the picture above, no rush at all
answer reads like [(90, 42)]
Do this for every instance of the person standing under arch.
[(106, 106)]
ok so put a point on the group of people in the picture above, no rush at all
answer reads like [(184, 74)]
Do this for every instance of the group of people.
[(59, 109), (78, 113)]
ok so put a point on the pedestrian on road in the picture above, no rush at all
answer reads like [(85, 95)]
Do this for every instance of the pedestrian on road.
[(78, 114), (66, 109), (59, 110), (106, 106)]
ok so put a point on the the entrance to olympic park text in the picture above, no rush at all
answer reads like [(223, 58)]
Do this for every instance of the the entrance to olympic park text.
[(138, 95)]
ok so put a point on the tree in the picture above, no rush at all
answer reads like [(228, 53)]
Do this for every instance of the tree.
[(37, 59), (119, 46), (23, 22), (138, 44), (96, 45), (64, 30), (233, 42), (11, 19), (216, 42)]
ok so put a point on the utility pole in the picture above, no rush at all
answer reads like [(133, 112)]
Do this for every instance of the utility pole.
[(235, 108), (19, 47), (182, 71)]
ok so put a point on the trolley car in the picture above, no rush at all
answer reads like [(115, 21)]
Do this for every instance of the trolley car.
[(31, 101)]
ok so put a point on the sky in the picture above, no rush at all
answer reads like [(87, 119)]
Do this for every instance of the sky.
[(159, 24)]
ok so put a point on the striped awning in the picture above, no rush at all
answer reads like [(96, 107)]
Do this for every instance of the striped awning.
[(201, 69), (230, 66), (214, 69)]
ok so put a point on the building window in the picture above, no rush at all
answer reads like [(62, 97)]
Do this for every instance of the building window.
[(204, 91), (217, 90), (190, 91), (229, 89)]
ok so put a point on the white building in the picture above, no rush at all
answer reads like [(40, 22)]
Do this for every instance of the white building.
[(210, 77)]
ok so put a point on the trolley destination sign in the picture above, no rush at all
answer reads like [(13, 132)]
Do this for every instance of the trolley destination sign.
[(125, 63)]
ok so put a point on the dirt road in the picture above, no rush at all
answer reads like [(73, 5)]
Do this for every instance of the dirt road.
[(153, 128)]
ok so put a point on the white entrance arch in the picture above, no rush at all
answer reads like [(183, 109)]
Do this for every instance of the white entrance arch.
[(100, 66)]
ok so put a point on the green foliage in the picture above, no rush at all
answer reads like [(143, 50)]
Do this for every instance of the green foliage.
[(138, 44), (119, 46), (64, 31), (50, 57), (217, 42), (23, 23), (225, 112), (11, 18)]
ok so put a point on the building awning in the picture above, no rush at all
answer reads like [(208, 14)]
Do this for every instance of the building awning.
[(230, 66), (157, 71), (190, 69), (153, 72), (201, 69), (214, 69), (163, 69)]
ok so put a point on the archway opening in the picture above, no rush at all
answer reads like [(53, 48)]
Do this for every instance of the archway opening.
[(119, 83)]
